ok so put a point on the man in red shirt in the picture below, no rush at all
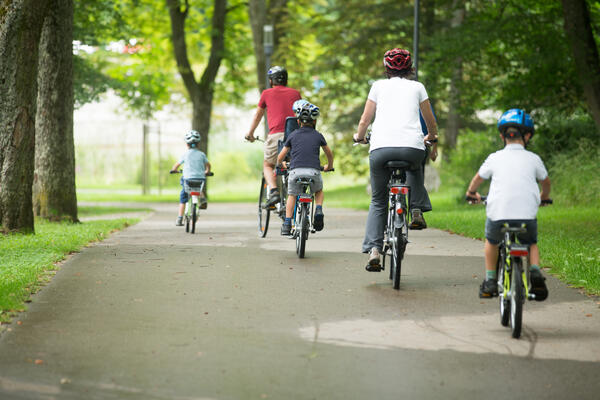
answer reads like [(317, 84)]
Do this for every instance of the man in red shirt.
[(278, 101)]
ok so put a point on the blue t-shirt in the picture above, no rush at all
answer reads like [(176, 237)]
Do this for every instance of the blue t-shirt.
[(194, 164), (305, 144)]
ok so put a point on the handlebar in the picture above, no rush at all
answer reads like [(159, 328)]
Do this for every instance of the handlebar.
[(181, 171), (256, 139), (473, 200)]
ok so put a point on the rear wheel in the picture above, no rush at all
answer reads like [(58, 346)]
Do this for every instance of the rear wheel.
[(398, 247), (264, 212), (194, 217), (502, 288), (516, 298), (303, 234), (187, 222)]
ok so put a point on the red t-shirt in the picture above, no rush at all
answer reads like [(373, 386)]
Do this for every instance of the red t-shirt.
[(278, 101)]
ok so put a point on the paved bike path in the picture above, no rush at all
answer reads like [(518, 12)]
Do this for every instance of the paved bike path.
[(155, 313)]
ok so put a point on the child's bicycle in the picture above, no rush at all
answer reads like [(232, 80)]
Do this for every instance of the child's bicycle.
[(193, 187), (303, 216), (513, 274)]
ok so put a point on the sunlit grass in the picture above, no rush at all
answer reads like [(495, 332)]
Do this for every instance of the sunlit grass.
[(27, 261)]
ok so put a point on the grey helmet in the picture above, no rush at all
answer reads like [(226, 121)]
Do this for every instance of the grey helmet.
[(278, 75)]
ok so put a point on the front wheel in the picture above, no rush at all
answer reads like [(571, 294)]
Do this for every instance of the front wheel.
[(303, 234), (503, 287), (264, 212), (194, 217), (516, 299)]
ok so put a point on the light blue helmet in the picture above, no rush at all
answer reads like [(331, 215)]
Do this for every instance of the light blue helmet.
[(516, 118), (297, 106), (192, 137)]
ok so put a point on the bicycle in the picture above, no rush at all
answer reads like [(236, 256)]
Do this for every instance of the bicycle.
[(396, 231), (264, 210), (304, 218), (193, 187), (513, 274)]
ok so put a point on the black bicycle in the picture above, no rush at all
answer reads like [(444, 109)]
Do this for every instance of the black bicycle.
[(303, 216), (396, 233), (513, 274)]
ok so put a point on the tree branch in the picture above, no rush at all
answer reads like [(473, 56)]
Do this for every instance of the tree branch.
[(217, 48)]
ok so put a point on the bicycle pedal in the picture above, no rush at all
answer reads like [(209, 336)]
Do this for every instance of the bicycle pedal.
[(312, 231)]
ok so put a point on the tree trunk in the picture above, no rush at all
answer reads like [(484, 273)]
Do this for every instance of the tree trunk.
[(257, 10), (579, 30), (201, 93), (54, 194), (20, 28), (454, 121)]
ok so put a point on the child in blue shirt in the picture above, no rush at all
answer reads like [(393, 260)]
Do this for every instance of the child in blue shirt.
[(514, 197), (304, 145), (195, 166)]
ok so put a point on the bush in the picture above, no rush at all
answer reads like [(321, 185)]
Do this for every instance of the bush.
[(574, 175)]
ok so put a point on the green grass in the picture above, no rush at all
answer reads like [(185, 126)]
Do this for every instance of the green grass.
[(27, 261)]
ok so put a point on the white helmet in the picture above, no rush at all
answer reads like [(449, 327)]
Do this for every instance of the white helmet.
[(297, 107), (192, 137)]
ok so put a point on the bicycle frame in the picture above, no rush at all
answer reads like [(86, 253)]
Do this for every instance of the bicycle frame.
[(515, 250)]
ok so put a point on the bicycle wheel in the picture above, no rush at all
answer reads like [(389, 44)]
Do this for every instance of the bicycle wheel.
[(264, 212), (503, 287), (187, 223), (398, 247), (303, 234), (516, 298), (194, 217)]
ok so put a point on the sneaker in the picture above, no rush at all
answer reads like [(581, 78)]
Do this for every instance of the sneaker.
[(417, 221), (179, 221), (286, 229), (273, 198), (488, 289), (203, 204), (538, 285), (318, 221), (374, 264)]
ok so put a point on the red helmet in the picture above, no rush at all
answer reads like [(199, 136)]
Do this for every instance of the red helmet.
[(397, 59)]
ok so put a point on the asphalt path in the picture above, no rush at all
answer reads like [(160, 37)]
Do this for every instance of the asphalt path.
[(155, 313)]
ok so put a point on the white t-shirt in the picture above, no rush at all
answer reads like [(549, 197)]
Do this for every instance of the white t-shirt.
[(514, 192), (397, 122)]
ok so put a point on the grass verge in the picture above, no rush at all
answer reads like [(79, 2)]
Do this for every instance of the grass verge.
[(28, 261)]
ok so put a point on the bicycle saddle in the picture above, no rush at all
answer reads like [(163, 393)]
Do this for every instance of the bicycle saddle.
[(398, 165), (195, 182)]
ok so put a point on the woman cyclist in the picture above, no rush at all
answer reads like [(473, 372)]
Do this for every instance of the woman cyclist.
[(396, 136)]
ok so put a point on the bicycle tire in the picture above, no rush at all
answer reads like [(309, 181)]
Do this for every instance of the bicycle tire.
[(187, 223), (303, 234), (264, 213), (503, 287), (398, 247), (283, 196), (516, 298), (194, 217)]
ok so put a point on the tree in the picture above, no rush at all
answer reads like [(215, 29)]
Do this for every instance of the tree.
[(54, 194), (20, 29), (585, 52), (200, 92)]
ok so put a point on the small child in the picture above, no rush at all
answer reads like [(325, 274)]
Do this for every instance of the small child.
[(304, 144), (195, 166), (513, 197)]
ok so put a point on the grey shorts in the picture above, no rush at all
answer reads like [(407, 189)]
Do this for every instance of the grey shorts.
[(494, 235), (295, 188)]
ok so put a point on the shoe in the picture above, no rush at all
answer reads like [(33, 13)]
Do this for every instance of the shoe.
[(374, 264), (203, 205), (417, 221), (538, 285), (488, 289), (286, 229), (179, 221), (318, 221), (273, 198)]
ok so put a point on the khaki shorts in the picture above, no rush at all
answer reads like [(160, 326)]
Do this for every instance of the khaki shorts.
[(270, 147)]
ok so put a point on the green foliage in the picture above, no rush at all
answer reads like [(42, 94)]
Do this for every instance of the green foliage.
[(26, 261), (574, 175)]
